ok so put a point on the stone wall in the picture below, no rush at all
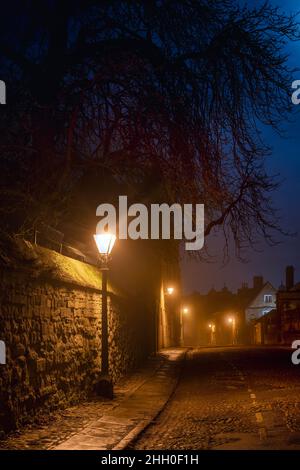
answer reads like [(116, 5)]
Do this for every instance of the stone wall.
[(50, 320)]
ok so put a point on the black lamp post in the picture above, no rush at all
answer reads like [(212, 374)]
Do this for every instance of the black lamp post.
[(105, 242)]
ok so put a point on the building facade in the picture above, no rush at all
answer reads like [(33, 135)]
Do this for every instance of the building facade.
[(262, 303), (288, 306)]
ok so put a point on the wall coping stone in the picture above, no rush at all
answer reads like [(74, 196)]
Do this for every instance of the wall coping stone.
[(40, 263)]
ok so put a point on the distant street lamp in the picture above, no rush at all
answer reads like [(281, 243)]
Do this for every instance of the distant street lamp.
[(170, 290), (105, 242), (232, 321), (212, 328), (183, 311)]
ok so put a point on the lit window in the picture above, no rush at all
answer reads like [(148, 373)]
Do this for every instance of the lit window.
[(268, 298)]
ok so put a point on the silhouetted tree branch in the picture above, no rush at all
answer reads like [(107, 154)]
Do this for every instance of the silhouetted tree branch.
[(171, 89)]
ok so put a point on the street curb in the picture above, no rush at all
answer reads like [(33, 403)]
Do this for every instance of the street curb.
[(132, 436)]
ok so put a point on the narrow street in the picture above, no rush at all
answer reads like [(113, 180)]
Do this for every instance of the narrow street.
[(216, 398), (231, 398)]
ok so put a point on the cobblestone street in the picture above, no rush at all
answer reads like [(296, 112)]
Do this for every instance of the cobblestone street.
[(233, 398)]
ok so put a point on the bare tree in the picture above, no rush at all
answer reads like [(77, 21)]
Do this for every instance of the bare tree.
[(167, 94)]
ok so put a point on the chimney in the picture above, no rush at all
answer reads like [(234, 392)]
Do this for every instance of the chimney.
[(258, 282), (289, 277)]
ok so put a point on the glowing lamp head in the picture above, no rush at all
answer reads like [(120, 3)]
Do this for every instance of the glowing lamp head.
[(185, 310), (105, 242), (210, 325), (170, 290), (230, 320)]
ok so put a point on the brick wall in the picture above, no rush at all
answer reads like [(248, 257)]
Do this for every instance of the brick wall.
[(51, 323)]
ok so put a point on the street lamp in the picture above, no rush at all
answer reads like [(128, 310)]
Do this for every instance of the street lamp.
[(170, 290), (232, 321), (212, 328), (183, 311), (105, 242)]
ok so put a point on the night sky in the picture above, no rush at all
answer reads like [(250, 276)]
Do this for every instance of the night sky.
[(269, 261)]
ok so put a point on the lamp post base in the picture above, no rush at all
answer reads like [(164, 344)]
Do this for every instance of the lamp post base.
[(104, 387)]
